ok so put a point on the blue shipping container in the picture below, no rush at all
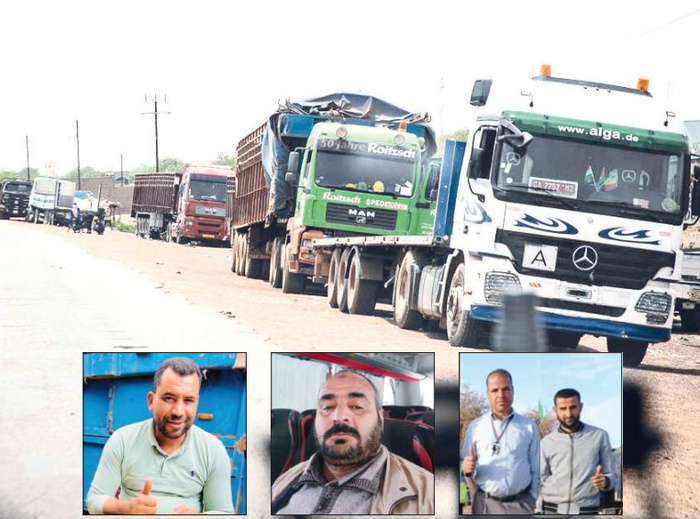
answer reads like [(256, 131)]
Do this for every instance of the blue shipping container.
[(115, 386)]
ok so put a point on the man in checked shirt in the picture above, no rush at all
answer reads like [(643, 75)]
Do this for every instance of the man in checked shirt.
[(501, 453)]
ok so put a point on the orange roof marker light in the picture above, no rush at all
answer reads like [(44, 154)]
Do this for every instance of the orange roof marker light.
[(403, 126), (546, 70), (643, 84)]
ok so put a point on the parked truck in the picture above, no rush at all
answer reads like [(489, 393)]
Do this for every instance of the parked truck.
[(573, 190), (183, 206), (339, 165), (14, 198), (50, 201)]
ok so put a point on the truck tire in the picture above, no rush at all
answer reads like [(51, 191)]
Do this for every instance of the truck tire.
[(332, 294), (690, 320), (169, 233), (234, 252), (243, 249), (291, 283), (362, 293), (561, 339), (343, 280), (461, 329), (275, 276), (632, 351), (181, 240), (403, 315), (265, 269), (36, 216)]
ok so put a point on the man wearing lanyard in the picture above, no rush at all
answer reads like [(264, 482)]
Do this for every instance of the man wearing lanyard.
[(501, 453)]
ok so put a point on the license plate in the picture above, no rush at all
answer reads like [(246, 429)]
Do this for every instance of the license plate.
[(540, 257), (208, 235), (687, 305)]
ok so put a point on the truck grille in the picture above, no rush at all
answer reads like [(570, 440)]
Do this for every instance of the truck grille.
[(351, 215), (620, 267)]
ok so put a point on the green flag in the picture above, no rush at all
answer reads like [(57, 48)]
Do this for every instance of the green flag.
[(540, 410)]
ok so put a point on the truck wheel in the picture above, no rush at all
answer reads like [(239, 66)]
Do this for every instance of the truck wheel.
[(403, 315), (169, 233), (275, 276), (36, 216), (234, 244), (265, 269), (333, 278), (239, 255), (632, 351), (181, 240), (362, 293), (561, 339), (461, 329), (243, 249), (291, 283), (690, 320), (342, 282)]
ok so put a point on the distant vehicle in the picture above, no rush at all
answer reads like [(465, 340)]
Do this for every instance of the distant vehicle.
[(14, 198), (183, 206), (50, 201)]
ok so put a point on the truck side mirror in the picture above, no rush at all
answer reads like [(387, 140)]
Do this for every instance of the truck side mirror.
[(292, 176), (480, 92)]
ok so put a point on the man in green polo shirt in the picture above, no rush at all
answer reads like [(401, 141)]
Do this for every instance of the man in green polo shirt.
[(164, 464)]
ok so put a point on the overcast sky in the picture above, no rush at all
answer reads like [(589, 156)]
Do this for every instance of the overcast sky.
[(223, 65)]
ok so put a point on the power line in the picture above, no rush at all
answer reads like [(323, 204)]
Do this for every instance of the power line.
[(650, 31)]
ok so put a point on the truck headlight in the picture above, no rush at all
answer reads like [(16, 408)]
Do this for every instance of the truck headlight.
[(306, 244), (498, 284), (657, 306), (189, 223)]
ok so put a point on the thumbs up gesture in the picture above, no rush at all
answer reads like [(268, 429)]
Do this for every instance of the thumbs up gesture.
[(598, 480), (144, 503), (469, 462)]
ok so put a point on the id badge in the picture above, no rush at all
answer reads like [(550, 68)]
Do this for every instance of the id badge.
[(568, 508)]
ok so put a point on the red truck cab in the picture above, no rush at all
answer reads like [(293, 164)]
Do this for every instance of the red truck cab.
[(201, 204)]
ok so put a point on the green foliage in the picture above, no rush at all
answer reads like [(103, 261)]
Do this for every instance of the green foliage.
[(124, 227), (170, 164), (87, 172), (224, 159), (459, 135), (20, 174)]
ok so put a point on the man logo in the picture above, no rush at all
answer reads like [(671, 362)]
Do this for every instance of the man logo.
[(361, 215), (585, 258)]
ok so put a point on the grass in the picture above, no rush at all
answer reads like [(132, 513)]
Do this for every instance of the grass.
[(124, 227)]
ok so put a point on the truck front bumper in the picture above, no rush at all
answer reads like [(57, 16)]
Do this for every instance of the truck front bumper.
[(598, 327)]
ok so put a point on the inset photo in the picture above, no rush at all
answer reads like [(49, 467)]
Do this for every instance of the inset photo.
[(353, 433), (164, 433), (540, 433)]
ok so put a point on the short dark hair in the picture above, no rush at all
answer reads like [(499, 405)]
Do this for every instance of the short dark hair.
[(566, 393), (180, 365), (499, 372)]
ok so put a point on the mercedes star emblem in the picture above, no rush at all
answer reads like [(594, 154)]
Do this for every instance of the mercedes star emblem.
[(585, 258)]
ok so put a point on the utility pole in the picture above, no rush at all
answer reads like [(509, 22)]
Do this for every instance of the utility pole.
[(121, 170), (27, 141), (155, 112), (442, 105), (77, 141)]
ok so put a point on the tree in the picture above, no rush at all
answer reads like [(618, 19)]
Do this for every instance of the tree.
[(545, 426), (170, 164), (471, 405), (459, 135), (20, 174), (224, 159)]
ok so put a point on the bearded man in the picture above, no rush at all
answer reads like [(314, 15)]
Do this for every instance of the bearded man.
[(352, 472), (577, 461), (164, 464)]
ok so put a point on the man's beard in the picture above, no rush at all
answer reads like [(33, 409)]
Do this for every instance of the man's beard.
[(355, 455), (161, 425), (574, 425)]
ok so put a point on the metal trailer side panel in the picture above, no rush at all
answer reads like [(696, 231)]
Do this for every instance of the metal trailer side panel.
[(252, 195), (155, 193), (114, 395), (374, 241)]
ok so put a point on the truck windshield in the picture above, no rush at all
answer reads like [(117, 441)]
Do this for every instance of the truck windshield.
[(365, 173), (596, 178), (11, 187), (210, 190)]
